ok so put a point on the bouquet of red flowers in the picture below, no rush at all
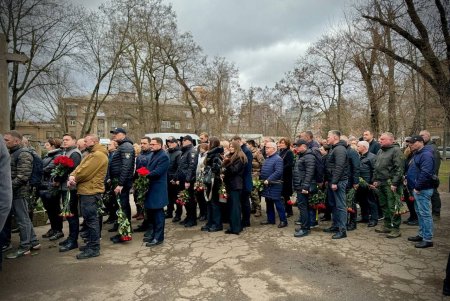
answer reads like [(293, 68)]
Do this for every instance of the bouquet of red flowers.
[(183, 197), (124, 224), (62, 165), (223, 195), (141, 185)]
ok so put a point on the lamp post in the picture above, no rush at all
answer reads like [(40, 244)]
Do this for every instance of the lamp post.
[(208, 113)]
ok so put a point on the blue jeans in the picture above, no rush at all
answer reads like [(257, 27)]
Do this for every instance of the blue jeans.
[(338, 205), (422, 205), (88, 204), (271, 211), (26, 230)]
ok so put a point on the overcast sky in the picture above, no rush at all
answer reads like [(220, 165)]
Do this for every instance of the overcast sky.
[(262, 37)]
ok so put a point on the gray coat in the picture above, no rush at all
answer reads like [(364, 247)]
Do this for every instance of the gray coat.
[(5, 183)]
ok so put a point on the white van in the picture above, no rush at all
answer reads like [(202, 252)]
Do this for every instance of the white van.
[(179, 136)]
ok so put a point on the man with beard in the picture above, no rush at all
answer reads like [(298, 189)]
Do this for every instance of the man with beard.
[(121, 169)]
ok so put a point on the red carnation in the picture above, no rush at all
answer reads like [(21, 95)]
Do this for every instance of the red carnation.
[(143, 171)]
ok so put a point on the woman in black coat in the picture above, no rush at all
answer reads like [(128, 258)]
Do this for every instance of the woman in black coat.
[(213, 161), (284, 146), (234, 164)]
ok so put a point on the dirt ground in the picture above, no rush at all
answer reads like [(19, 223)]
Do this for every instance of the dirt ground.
[(263, 263)]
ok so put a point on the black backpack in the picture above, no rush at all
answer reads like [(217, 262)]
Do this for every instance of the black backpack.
[(38, 169), (319, 170)]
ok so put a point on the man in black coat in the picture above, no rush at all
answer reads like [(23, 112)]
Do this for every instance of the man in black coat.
[(121, 168), (353, 180), (186, 179), (174, 153), (337, 178)]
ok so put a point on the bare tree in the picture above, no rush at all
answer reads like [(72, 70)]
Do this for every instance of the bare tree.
[(46, 31)]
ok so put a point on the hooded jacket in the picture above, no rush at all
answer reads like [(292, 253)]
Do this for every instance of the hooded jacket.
[(91, 172), (389, 165)]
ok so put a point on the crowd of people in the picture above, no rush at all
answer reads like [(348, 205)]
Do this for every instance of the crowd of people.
[(216, 183)]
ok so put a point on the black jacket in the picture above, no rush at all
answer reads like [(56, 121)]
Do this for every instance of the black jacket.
[(367, 165), (304, 170), (121, 166), (336, 164), (187, 165), (174, 156), (353, 167), (214, 160), (234, 175), (436, 155), (374, 146), (288, 163)]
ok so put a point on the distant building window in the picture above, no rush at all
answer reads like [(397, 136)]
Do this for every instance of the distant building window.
[(165, 124), (188, 114), (177, 125), (72, 122), (114, 123), (188, 126), (48, 134)]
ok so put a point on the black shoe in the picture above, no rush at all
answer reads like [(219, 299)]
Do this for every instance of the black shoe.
[(176, 219), (204, 228), (362, 221), (231, 232), (168, 215), (282, 224), (331, 230), (148, 239), (153, 243), (116, 240), (140, 229), (351, 227), (49, 234), (372, 224), (183, 221), (214, 229), (416, 238), (413, 223), (266, 223), (289, 214), (83, 248), (301, 233), (190, 224), (65, 241), (114, 229), (68, 246), (339, 235), (88, 253), (423, 244), (202, 218), (56, 236)]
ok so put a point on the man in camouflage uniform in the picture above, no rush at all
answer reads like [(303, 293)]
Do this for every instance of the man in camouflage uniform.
[(387, 179)]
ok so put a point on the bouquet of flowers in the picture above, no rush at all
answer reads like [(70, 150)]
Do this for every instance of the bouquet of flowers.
[(199, 186), (141, 185), (124, 224), (350, 197), (183, 197), (65, 212), (62, 165), (363, 183), (292, 202), (223, 195), (258, 184), (317, 201)]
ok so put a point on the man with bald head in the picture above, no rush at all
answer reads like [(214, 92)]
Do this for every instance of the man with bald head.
[(435, 198)]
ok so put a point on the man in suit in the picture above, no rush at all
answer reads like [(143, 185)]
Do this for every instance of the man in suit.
[(157, 197)]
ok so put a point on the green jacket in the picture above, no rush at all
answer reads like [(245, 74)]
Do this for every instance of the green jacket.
[(389, 165), (20, 172), (90, 174)]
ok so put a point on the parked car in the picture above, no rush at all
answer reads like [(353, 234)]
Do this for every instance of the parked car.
[(447, 152)]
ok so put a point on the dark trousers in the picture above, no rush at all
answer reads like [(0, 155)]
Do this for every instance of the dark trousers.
[(191, 206), (447, 277), (369, 207), (173, 191), (111, 206), (234, 207), (52, 203), (3, 242), (200, 197), (245, 208), (125, 202), (288, 208), (214, 214), (88, 204), (74, 221), (338, 205), (271, 211), (157, 220), (412, 209), (436, 203), (303, 206)]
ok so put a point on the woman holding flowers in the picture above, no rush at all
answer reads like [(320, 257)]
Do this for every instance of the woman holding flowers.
[(213, 162), (234, 164), (50, 193)]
